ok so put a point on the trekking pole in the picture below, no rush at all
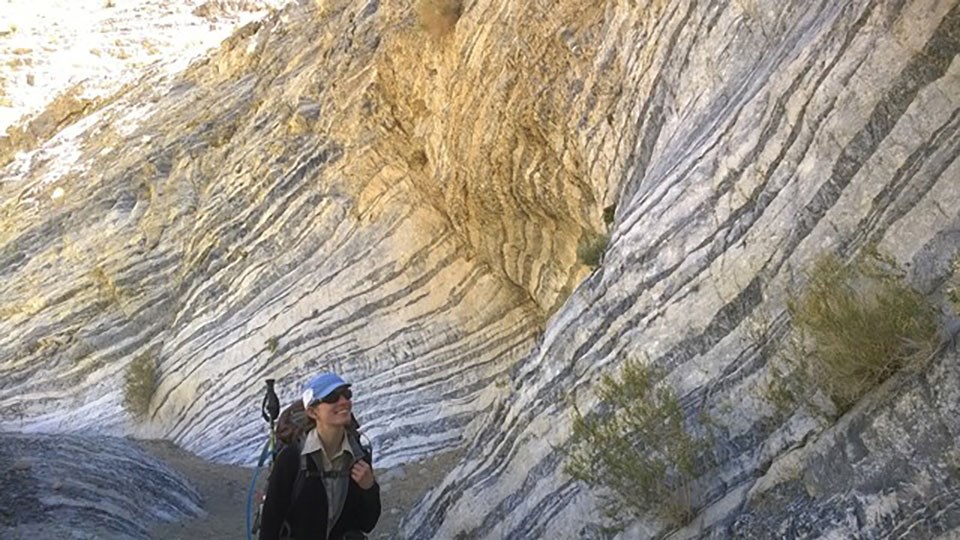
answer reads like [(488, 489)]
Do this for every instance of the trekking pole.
[(269, 410)]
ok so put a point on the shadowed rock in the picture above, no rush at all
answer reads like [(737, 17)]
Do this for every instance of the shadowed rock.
[(70, 486)]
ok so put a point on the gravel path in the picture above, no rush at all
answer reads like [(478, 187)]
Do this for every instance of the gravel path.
[(224, 492)]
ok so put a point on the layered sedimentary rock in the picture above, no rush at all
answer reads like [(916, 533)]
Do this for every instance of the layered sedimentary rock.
[(889, 469), (342, 187), (80, 487), (231, 224), (755, 140)]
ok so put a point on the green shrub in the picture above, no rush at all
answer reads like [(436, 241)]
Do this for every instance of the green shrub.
[(107, 286), (860, 325), (640, 450), (139, 384), (591, 249), (272, 344), (439, 17)]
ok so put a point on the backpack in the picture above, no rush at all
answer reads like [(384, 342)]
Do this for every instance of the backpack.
[(294, 424)]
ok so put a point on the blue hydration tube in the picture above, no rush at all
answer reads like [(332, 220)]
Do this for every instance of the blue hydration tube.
[(267, 450), (269, 410)]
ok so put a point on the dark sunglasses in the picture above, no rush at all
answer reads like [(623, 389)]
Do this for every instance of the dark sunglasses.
[(334, 396)]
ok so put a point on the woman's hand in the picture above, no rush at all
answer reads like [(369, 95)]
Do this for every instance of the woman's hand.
[(362, 474)]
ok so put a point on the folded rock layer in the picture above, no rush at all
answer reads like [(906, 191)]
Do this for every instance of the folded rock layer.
[(408, 197)]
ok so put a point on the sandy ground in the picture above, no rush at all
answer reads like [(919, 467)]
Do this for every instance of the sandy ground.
[(224, 491)]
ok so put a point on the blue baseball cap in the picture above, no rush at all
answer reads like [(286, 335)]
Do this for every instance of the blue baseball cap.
[(320, 386)]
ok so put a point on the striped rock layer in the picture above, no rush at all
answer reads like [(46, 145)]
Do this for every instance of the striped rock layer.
[(86, 487), (752, 139), (359, 187)]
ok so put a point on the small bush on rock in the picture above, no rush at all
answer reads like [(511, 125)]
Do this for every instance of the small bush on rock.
[(860, 324), (641, 449), (273, 343), (139, 384), (591, 249)]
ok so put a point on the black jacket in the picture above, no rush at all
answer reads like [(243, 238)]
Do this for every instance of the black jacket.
[(307, 515)]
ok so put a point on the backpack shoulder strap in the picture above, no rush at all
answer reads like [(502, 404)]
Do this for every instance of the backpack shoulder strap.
[(359, 450), (303, 472)]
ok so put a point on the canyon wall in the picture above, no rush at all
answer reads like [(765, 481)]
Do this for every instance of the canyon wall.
[(405, 193)]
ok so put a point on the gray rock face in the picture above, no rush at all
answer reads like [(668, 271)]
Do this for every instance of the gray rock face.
[(889, 469), (338, 189), (83, 487)]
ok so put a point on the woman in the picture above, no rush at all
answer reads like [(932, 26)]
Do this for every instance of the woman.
[(322, 488)]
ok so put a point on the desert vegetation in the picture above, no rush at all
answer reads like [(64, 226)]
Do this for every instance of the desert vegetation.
[(853, 326), (273, 342), (139, 384), (591, 249), (858, 324), (640, 449)]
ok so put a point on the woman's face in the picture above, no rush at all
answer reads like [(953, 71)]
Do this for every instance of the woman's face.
[(336, 413)]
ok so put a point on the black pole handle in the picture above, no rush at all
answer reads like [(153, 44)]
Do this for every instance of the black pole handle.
[(270, 408)]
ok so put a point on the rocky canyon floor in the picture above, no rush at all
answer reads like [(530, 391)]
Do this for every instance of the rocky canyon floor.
[(224, 491)]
